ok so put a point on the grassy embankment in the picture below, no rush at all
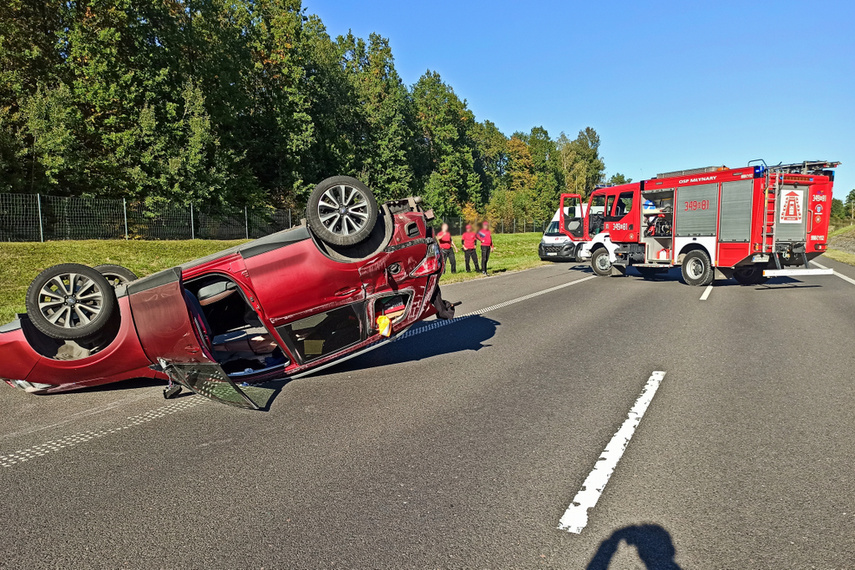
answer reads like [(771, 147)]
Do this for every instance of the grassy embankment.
[(21, 262), (842, 245)]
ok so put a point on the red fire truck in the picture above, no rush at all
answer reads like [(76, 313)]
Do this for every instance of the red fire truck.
[(748, 223)]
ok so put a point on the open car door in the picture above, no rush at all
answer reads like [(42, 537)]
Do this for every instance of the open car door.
[(174, 333), (572, 217), (209, 380)]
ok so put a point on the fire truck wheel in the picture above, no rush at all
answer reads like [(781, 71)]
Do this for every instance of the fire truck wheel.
[(749, 275), (600, 262), (697, 268)]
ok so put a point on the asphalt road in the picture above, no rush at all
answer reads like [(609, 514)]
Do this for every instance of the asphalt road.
[(462, 446)]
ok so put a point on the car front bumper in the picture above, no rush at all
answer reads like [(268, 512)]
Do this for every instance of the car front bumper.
[(557, 251)]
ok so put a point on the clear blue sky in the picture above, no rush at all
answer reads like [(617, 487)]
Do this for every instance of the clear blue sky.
[(667, 84)]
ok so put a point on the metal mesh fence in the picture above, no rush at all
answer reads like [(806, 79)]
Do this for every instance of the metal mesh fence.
[(81, 218), (165, 222), (32, 217), (19, 217)]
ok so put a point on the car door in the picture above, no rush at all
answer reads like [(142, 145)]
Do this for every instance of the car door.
[(572, 220), (623, 219), (174, 334), (298, 280)]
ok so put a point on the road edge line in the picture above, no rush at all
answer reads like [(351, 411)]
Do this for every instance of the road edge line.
[(844, 277)]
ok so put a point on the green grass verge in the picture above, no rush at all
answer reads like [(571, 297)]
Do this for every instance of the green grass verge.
[(21, 262), (841, 231), (841, 256), (513, 252)]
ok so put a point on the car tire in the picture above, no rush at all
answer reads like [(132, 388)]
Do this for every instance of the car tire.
[(342, 211), (749, 275), (600, 262), (116, 274), (71, 302), (697, 268)]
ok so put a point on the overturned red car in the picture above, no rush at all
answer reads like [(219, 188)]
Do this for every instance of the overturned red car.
[(353, 274)]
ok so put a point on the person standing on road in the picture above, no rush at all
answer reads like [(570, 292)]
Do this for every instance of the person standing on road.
[(469, 252), (445, 246), (486, 238)]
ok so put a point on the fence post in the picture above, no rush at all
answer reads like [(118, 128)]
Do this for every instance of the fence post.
[(192, 225), (290, 223), (246, 220), (503, 226), (125, 212), (41, 224), (515, 226)]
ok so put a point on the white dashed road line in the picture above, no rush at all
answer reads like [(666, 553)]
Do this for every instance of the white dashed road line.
[(22, 455), (844, 277), (576, 516), (707, 292)]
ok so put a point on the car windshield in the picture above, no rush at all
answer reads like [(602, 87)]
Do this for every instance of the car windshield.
[(553, 229)]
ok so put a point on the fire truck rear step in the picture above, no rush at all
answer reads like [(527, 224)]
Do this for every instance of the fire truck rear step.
[(796, 271)]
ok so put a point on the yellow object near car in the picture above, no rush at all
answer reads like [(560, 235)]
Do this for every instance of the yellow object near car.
[(384, 325)]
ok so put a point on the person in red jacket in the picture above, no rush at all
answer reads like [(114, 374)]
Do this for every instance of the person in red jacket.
[(469, 252), (445, 246), (486, 238)]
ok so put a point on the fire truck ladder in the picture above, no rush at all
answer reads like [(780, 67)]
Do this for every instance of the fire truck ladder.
[(770, 211)]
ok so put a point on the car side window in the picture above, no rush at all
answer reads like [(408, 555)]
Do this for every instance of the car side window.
[(324, 333)]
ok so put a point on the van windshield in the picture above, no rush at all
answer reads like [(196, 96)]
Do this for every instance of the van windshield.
[(553, 229)]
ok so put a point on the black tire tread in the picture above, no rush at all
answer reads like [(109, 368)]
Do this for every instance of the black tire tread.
[(108, 313), (112, 269), (314, 222), (598, 252), (708, 275)]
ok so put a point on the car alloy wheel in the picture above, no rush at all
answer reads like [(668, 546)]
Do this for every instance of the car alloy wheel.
[(70, 300), (343, 210)]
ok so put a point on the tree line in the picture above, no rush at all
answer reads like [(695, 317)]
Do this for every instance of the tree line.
[(225, 104)]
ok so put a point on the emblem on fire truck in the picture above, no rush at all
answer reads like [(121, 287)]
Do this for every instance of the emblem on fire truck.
[(791, 207)]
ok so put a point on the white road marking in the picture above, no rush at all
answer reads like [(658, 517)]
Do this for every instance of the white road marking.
[(576, 516), (844, 277), (77, 415), (707, 292), (438, 323), (22, 455), (433, 325)]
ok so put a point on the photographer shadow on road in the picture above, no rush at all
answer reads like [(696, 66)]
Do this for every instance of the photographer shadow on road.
[(653, 543)]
